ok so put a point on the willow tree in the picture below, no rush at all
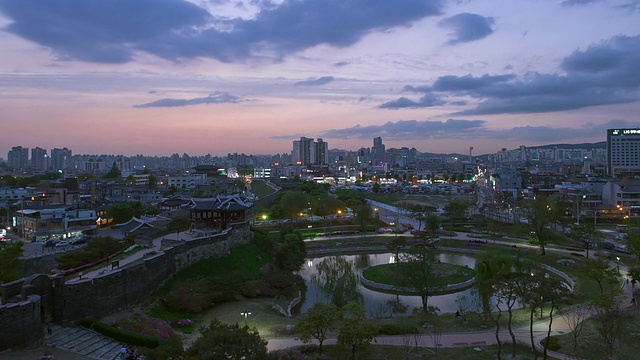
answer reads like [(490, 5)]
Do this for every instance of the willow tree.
[(337, 278)]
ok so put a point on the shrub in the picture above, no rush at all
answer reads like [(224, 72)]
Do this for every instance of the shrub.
[(125, 336), (391, 329), (86, 322), (284, 329), (551, 343), (146, 325)]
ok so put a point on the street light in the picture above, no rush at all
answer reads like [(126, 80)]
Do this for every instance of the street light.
[(246, 315)]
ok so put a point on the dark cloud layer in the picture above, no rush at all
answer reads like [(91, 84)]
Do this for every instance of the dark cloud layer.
[(468, 27), (406, 130), (315, 82), (111, 31), (215, 98), (470, 129), (603, 74), (428, 100)]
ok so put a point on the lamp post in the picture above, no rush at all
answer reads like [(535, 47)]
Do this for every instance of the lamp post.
[(246, 315)]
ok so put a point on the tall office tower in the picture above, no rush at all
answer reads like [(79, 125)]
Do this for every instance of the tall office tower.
[(377, 151), (39, 159), (18, 158), (623, 152), (60, 159), (322, 152)]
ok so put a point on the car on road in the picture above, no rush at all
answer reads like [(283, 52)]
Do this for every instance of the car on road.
[(62, 244)]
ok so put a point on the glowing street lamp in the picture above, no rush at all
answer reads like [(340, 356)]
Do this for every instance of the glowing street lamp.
[(246, 315)]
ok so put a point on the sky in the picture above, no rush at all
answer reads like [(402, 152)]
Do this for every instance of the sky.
[(157, 77)]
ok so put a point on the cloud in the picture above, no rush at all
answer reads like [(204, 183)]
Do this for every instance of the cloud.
[(112, 31), (315, 82), (404, 130), (428, 100), (215, 98), (603, 74), (341, 63), (578, 2), (467, 27), (100, 31)]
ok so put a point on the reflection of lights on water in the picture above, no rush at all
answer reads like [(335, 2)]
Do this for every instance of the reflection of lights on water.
[(392, 259), (309, 263)]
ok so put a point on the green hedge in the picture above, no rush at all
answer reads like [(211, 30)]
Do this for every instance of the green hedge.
[(551, 343), (127, 337)]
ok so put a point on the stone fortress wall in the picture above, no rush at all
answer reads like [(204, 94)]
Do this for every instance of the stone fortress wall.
[(30, 302)]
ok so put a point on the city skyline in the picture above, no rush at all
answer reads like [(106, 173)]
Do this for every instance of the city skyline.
[(160, 77)]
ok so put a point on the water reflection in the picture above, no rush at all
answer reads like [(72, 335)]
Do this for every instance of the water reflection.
[(376, 302)]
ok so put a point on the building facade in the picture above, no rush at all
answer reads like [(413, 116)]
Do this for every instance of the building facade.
[(623, 152)]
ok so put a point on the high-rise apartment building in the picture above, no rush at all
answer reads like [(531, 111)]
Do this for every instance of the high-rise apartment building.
[(623, 151), (60, 159), (18, 158), (307, 152), (322, 152), (39, 159), (377, 151)]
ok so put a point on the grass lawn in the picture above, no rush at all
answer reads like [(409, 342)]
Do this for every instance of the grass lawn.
[(592, 346), (446, 274), (260, 188), (262, 317)]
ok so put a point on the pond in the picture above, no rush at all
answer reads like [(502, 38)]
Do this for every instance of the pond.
[(376, 301)]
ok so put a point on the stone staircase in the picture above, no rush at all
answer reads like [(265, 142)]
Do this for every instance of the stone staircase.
[(83, 341)]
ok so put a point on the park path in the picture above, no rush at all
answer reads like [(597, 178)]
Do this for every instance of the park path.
[(155, 248)]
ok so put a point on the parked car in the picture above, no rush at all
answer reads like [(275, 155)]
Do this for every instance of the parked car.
[(62, 244), (51, 242), (80, 240), (608, 245)]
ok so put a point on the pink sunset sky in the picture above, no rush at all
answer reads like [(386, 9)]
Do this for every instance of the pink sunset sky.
[(156, 77)]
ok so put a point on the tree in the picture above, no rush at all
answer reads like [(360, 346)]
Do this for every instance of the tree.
[(326, 205), (587, 234), (123, 212), (10, 262), (130, 179), (179, 223), (355, 330), (609, 322), (294, 202), (432, 224), (530, 294), (153, 182), (336, 277), (506, 287), (539, 216), (290, 252), (555, 294), (488, 267), (575, 320), (316, 322), (395, 245), (227, 341), (418, 272), (114, 173), (456, 209), (364, 215), (598, 269)]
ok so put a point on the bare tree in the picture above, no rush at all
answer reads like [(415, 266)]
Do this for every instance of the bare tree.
[(575, 320)]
